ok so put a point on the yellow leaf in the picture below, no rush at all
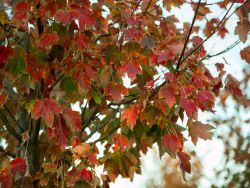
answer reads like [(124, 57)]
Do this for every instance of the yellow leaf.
[(80, 150), (3, 18)]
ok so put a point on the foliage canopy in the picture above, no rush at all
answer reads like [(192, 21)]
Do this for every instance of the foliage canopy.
[(54, 53)]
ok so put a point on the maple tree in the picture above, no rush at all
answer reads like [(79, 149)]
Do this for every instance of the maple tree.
[(54, 53)]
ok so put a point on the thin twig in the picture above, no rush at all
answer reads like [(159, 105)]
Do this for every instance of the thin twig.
[(104, 123), (218, 27), (56, 82), (223, 51), (188, 36)]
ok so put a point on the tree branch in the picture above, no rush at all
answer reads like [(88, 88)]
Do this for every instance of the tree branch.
[(188, 36), (9, 128), (218, 27), (89, 119), (221, 52), (13, 118), (102, 125)]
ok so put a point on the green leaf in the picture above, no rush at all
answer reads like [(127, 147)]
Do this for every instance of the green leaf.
[(16, 65), (41, 56), (68, 85)]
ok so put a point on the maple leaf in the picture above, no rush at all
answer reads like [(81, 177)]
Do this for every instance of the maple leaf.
[(130, 114), (81, 41), (86, 18), (5, 179), (18, 166), (132, 68), (132, 33), (121, 140), (233, 86), (205, 100), (61, 131), (5, 53), (48, 39), (168, 92), (242, 29), (80, 150), (115, 90), (72, 118), (63, 17), (3, 99), (171, 143), (22, 6), (46, 108), (245, 54), (199, 130), (184, 163), (189, 106), (169, 3), (86, 175)]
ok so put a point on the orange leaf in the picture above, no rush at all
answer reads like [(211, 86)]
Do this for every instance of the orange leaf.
[(171, 143), (46, 108), (80, 150), (115, 90), (121, 140), (199, 130), (245, 54), (130, 114)]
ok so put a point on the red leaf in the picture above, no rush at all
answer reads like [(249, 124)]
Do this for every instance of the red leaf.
[(22, 6), (72, 118), (184, 163), (81, 40), (199, 130), (164, 56), (3, 99), (86, 18), (170, 77), (5, 53), (5, 179), (245, 54), (91, 158), (189, 106), (48, 39), (86, 175), (130, 114), (131, 68), (61, 131), (18, 166), (115, 90), (121, 140), (46, 108), (171, 143), (63, 17), (197, 40), (132, 33), (205, 100), (233, 86), (168, 92)]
